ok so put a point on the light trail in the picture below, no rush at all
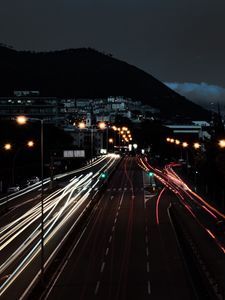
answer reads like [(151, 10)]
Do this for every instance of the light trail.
[(59, 207)]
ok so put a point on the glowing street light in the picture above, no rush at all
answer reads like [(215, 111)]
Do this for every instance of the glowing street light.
[(21, 120), (168, 139), (81, 125), (185, 144), (102, 125), (7, 146), (196, 146), (172, 140), (110, 140), (30, 144), (177, 142), (222, 143)]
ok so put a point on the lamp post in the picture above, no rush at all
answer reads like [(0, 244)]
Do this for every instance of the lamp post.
[(21, 120)]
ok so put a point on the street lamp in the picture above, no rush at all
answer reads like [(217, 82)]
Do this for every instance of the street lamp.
[(7, 146), (221, 143), (196, 146), (21, 120)]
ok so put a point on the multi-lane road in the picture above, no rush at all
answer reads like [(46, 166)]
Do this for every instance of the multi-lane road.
[(21, 234), (125, 251), (126, 247)]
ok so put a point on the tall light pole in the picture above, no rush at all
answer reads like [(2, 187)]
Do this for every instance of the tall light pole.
[(21, 120)]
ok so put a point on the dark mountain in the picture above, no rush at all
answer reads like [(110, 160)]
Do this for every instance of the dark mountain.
[(88, 73)]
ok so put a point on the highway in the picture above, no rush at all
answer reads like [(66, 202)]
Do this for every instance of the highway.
[(20, 232), (126, 250), (129, 244)]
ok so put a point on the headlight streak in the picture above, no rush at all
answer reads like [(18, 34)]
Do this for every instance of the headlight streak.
[(47, 180), (36, 249), (181, 185), (52, 220)]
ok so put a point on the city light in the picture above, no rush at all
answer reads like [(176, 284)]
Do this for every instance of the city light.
[(81, 125), (185, 144), (30, 144), (8, 146), (102, 125), (222, 143), (197, 146), (21, 120), (168, 139), (177, 142), (110, 140)]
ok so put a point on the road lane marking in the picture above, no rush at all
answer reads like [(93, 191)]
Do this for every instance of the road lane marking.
[(110, 239), (147, 252), (97, 287), (102, 267), (148, 267), (107, 251), (146, 228), (149, 287), (111, 197), (115, 220), (146, 239), (113, 228)]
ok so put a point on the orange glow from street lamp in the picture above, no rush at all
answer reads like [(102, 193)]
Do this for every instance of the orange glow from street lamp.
[(177, 142), (222, 143), (172, 140), (110, 140), (168, 139), (102, 125), (81, 125), (30, 144), (185, 144), (21, 120), (197, 146), (8, 146)]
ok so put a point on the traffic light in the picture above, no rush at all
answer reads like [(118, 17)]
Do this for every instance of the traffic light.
[(103, 175), (150, 174)]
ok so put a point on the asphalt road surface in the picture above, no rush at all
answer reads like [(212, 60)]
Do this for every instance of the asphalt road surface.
[(128, 250)]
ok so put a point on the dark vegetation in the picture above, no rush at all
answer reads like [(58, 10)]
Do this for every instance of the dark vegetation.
[(86, 72)]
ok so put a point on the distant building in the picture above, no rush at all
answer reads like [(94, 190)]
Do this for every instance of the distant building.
[(198, 129)]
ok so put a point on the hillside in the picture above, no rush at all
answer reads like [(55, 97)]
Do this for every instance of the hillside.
[(88, 73)]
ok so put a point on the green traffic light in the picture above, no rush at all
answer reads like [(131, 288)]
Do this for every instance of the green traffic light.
[(150, 174), (103, 175)]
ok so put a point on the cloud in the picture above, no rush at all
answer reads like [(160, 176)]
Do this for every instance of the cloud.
[(201, 93)]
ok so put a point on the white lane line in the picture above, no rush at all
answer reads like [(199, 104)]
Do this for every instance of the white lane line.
[(148, 267), (113, 228), (117, 214), (102, 267), (97, 287), (115, 220), (107, 251), (147, 252), (146, 239), (149, 287), (110, 239)]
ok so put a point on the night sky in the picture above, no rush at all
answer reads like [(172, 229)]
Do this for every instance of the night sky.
[(180, 41)]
